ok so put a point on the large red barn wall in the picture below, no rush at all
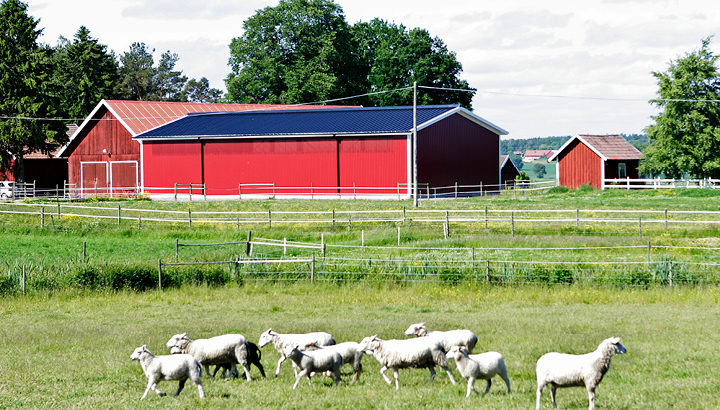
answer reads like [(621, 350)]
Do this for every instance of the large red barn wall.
[(457, 150), (297, 163), (580, 165), (109, 134)]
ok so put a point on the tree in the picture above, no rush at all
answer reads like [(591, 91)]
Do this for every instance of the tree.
[(25, 89), (395, 57), (539, 170), (85, 72), (685, 138), (137, 73), (298, 51), (167, 82), (200, 91)]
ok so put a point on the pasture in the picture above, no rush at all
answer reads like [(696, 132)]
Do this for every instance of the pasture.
[(72, 349)]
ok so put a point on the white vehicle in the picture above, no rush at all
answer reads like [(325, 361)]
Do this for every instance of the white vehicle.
[(6, 189)]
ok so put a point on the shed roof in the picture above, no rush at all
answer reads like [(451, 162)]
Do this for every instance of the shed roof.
[(316, 122), (608, 147)]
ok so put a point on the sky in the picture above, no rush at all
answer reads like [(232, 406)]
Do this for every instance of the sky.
[(541, 68)]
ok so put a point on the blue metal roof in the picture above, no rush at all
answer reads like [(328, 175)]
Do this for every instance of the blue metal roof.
[(331, 121)]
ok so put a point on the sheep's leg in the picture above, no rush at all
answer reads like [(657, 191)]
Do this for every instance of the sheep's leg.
[(201, 391), (152, 385), (207, 370), (487, 387), (149, 386), (432, 373), (382, 371), (277, 370), (449, 373), (246, 367), (507, 380), (553, 389), (337, 376), (397, 377), (471, 386), (591, 398), (181, 385), (540, 388), (297, 379)]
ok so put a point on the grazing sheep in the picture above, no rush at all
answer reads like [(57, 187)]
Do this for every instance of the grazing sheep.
[(448, 339), (350, 354), (230, 348), (253, 357), (479, 366), (316, 361), (566, 370), (284, 341), (402, 354), (178, 367)]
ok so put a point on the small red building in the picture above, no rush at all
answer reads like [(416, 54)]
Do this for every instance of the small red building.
[(508, 170), (590, 159), (349, 150), (102, 156)]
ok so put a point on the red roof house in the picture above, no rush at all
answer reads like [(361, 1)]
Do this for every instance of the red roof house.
[(590, 159), (102, 155)]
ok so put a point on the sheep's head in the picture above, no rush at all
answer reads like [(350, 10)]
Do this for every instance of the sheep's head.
[(174, 340), (457, 352), (418, 329), (292, 351), (615, 342), (137, 354), (369, 344), (266, 337)]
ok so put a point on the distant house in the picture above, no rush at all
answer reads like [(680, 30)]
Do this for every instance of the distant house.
[(536, 154), (508, 170), (590, 159)]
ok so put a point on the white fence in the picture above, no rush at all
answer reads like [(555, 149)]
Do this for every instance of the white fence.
[(660, 183)]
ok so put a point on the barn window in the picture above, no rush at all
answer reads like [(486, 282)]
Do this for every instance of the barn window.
[(622, 171)]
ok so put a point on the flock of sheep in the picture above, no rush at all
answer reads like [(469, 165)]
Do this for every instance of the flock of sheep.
[(317, 353)]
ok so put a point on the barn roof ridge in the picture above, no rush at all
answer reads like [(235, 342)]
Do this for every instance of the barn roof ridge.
[(331, 108), (606, 146)]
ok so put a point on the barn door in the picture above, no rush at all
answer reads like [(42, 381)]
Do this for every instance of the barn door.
[(94, 178), (123, 178)]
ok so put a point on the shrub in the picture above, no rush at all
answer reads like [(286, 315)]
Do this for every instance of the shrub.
[(558, 190)]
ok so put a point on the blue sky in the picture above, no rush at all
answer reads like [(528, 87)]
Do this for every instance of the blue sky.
[(542, 68)]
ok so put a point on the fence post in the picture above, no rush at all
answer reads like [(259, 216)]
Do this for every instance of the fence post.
[(362, 237), (398, 235), (403, 215), (577, 218), (666, 219), (177, 247), (487, 270), (670, 274), (237, 223), (445, 230), (159, 274), (428, 191), (189, 218), (42, 217), (486, 217), (239, 192), (269, 218), (512, 223), (349, 222), (648, 256), (311, 190), (204, 187), (322, 244), (333, 217), (312, 269), (176, 191), (482, 193), (118, 214), (456, 189), (58, 208), (447, 220), (354, 192), (274, 193), (640, 225), (248, 245)]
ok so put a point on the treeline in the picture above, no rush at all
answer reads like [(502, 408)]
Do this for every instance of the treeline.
[(510, 146)]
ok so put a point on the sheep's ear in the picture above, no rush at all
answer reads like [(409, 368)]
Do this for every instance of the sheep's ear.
[(183, 335)]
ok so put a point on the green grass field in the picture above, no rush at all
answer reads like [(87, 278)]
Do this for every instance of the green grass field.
[(72, 350)]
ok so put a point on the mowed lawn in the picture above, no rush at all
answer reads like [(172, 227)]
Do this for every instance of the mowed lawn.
[(72, 350)]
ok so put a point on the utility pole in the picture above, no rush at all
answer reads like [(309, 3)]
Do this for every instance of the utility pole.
[(414, 145)]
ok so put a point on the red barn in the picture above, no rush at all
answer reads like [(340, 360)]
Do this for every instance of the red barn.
[(350, 150), (508, 170), (102, 156), (590, 159)]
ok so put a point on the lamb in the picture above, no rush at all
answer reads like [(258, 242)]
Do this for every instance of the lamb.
[(566, 370), (253, 357), (402, 354), (482, 366), (350, 354), (316, 361), (448, 339), (229, 348), (170, 367), (284, 341)]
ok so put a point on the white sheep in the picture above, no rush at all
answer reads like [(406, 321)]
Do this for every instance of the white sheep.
[(284, 341), (178, 367), (566, 370), (448, 339), (229, 348), (482, 366), (350, 353), (316, 361), (407, 353)]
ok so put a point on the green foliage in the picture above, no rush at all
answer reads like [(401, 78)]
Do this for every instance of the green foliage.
[(539, 170), (685, 138), (85, 72), (26, 90), (298, 51), (523, 177), (137, 72), (200, 91)]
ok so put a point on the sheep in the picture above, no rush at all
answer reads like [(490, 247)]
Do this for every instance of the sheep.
[(283, 341), (350, 354), (311, 362), (482, 366), (401, 354), (448, 339), (178, 367), (229, 348), (253, 357), (566, 370)]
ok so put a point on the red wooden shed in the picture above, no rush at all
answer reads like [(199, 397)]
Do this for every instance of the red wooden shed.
[(590, 159), (508, 170), (338, 151), (102, 156)]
